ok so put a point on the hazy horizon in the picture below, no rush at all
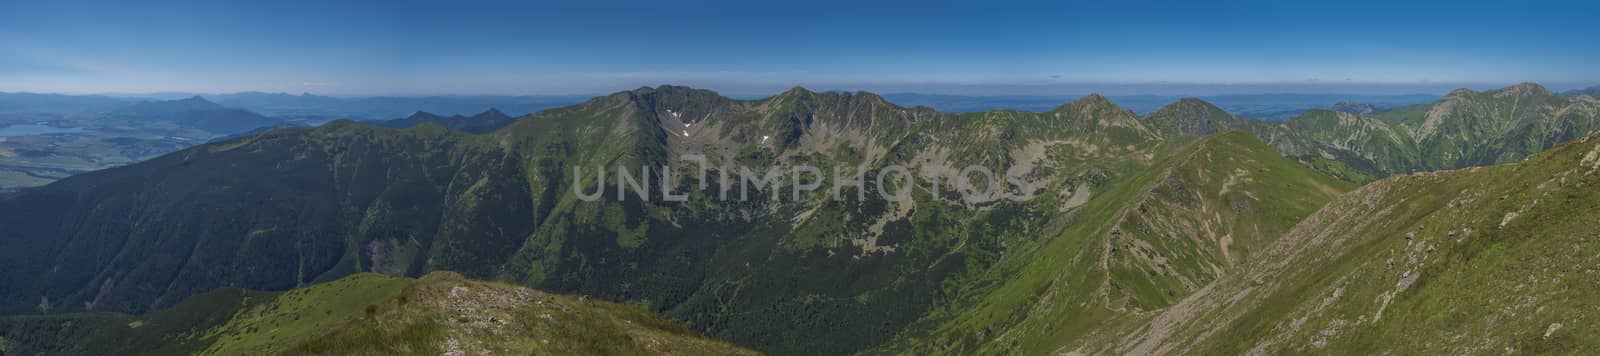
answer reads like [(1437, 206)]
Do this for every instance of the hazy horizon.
[(1124, 90), (994, 48)]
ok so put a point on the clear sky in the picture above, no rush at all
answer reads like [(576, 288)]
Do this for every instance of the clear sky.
[(754, 47)]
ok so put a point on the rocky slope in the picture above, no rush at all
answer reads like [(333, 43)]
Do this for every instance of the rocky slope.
[(1146, 242), (1463, 129), (1481, 260), (1352, 107)]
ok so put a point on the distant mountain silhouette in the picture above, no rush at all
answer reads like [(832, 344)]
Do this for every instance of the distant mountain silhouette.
[(199, 113), (481, 123)]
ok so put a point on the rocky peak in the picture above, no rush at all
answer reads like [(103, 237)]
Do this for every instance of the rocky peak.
[(1523, 89), (1091, 102), (1191, 104), (667, 99), (1096, 99), (1460, 93), (873, 98), (492, 113), (1187, 109), (667, 91), (1190, 116), (423, 115), (1354, 107), (796, 92)]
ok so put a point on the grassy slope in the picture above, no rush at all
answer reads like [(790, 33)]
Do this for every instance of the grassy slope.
[(1076, 281), (1482, 260), (1463, 129), (799, 276), (1225, 198), (297, 314), (443, 313), (366, 314)]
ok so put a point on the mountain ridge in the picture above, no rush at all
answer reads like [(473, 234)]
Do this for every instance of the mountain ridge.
[(1340, 295), (484, 122), (440, 312), (783, 271)]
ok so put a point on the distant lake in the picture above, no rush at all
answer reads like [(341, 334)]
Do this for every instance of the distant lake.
[(35, 129)]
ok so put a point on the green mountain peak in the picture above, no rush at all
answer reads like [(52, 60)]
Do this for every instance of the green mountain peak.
[(1191, 116), (1523, 89)]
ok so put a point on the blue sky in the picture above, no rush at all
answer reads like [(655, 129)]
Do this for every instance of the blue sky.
[(756, 47)]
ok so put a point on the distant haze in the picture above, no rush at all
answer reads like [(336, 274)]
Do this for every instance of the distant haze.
[(758, 48)]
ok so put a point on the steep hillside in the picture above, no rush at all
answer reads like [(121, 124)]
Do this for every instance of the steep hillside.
[(1363, 143), (1149, 240), (808, 273), (1501, 126), (783, 272), (272, 212), (1216, 206), (365, 314), (1481, 260), (1463, 129)]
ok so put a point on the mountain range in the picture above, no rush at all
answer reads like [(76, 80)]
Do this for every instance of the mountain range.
[(196, 112), (1270, 107), (481, 123), (1593, 91), (288, 105), (1315, 233)]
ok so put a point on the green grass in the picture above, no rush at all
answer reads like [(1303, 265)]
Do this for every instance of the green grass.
[(301, 313), (367, 314), (1336, 284), (445, 312), (1043, 297)]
